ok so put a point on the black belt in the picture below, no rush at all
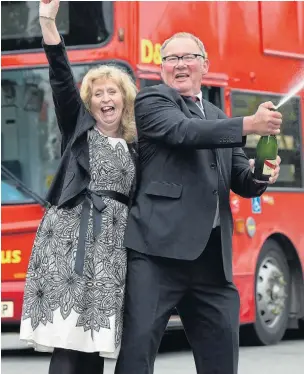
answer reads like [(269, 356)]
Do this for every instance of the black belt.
[(98, 206)]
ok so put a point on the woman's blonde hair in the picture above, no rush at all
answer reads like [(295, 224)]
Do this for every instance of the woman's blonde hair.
[(127, 87)]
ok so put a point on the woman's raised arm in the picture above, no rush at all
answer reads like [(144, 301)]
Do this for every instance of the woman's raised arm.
[(66, 95)]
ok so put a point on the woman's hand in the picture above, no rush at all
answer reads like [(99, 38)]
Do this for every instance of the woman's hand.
[(48, 9)]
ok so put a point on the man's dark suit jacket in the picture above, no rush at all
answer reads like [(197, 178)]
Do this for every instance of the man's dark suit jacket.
[(186, 163)]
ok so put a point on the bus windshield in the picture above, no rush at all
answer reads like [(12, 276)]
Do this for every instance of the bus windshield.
[(79, 22), (10, 194), (30, 148)]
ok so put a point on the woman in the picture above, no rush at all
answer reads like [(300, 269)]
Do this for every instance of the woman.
[(73, 300)]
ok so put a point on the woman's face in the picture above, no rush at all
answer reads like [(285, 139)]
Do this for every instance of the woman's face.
[(106, 104)]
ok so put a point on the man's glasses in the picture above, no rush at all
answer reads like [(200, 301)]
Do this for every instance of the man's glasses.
[(188, 59)]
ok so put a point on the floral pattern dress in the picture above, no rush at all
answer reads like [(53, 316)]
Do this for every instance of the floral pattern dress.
[(62, 309)]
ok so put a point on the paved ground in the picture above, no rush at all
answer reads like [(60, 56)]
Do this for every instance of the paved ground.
[(175, 358)]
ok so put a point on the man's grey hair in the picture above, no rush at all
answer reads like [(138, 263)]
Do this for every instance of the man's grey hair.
[(184, 35)]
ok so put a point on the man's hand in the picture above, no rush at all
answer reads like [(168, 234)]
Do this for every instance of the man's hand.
[(274, 173), (264, 121)]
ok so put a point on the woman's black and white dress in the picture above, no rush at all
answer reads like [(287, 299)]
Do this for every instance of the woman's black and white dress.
[(62, 309)]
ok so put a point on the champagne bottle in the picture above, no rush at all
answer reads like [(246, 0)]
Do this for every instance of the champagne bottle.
[(265, 160)]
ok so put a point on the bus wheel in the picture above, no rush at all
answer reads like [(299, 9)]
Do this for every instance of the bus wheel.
[(272, 294)]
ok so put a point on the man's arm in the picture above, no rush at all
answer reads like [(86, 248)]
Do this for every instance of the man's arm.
[(242, 182), (159, 119)]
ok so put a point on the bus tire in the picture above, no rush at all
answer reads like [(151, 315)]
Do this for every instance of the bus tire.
[(272, 294)]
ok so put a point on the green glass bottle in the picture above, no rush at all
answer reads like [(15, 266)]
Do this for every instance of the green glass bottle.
[(265, 160)]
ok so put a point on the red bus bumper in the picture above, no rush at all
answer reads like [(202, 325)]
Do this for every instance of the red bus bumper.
[(11, 302)]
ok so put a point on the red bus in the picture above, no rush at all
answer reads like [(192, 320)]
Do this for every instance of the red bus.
[(252, 60)]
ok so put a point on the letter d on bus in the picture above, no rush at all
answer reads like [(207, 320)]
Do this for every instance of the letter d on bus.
[(146, 51)]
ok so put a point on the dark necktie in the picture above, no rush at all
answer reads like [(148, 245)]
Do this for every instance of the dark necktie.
[(195, 99), (198, 103)]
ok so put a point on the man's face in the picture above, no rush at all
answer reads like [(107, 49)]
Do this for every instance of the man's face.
[(185, 75)]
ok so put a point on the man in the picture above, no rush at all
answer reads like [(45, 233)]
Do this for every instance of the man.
[(179, 232)]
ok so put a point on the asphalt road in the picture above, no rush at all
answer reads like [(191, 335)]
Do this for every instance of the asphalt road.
[(176, 358)]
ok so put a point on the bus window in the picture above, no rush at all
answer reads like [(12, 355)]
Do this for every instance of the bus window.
[(30, 138), (79, 22), (246, 103)]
